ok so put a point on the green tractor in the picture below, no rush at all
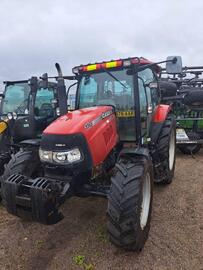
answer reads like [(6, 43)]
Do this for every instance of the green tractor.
[(187, 99)]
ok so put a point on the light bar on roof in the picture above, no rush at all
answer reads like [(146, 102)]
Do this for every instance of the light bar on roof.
[(92, 67), (111, 64)]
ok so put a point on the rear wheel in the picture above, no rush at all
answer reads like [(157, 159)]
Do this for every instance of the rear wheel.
[(130, 205), (166, 153), (189, 149)]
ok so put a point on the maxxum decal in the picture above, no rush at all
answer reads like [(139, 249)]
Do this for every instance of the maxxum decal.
[(101, 117)]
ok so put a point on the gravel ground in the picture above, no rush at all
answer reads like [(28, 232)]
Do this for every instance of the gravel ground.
[(175, 240)]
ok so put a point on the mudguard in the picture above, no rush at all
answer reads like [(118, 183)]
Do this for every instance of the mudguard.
[(160, 115), (32, 142)]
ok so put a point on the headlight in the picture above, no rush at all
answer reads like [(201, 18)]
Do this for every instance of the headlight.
[(45, 155), (67, 157), (10, 116)]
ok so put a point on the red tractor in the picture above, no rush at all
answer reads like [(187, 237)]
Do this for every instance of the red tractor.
[(116, 143)]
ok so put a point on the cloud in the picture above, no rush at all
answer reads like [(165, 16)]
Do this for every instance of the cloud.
[(36, 34)]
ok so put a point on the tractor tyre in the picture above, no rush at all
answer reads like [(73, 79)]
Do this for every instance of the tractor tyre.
[(166, 151), (25, 162), (189, 149), (130, 204), (168, 89), (194, 98), (4, 159)]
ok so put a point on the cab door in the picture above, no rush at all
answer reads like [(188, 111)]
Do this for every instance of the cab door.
[(44, 111), (147, 100)]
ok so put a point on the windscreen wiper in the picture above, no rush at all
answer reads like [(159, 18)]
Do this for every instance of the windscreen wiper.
[(110, 74)]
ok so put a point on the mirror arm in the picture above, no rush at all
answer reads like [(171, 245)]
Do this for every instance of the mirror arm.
[(174, 60)]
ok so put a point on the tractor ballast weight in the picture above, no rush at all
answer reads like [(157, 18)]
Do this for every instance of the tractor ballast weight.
[(116, 143)]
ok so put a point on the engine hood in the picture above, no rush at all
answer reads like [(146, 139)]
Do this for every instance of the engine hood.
[(97, 125), (79, 121)]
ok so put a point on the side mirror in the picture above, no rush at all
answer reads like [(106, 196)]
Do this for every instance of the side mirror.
[(174, 65)]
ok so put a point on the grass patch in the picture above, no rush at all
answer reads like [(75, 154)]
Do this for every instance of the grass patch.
[(102, 235), (80, 260)]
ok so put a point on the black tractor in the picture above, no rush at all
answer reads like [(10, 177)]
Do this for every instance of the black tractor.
[(27, 107)]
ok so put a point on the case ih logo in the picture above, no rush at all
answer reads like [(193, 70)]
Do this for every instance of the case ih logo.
[(95, 121)]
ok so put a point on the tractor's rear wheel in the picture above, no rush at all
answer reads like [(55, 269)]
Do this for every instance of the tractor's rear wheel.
[(166, 153), (25, 162), (130, 205), (189, 149)]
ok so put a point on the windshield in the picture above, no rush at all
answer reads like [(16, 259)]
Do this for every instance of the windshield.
[(102, 89), (16, 98)]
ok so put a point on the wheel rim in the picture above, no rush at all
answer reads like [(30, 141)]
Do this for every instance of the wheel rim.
[(171, 151), (146, 198)]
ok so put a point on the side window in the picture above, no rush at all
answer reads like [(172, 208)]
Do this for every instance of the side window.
[(88, 92), (43, 105)]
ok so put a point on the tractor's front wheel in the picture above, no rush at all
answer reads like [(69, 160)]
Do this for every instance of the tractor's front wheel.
[(4, 159), (25, 162), (130, 204)]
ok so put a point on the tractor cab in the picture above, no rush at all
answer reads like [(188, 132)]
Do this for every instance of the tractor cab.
[(27, 107), (114, 84)]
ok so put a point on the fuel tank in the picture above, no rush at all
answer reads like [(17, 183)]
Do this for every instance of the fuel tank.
[(96, 124)]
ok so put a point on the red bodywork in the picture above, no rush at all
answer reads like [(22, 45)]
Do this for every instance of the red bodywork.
[(161, 113), (97, 124)]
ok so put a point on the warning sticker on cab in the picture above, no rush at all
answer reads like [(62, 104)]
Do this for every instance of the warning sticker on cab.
[(125, 114)]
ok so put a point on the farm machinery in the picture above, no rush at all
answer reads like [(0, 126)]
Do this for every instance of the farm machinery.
[(187, 99), (27, 107), (117, 142)]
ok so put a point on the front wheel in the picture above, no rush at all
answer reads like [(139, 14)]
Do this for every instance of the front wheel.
[(130, 204), (25, 162)]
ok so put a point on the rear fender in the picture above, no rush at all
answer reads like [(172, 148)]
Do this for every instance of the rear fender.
[(159, 117)]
